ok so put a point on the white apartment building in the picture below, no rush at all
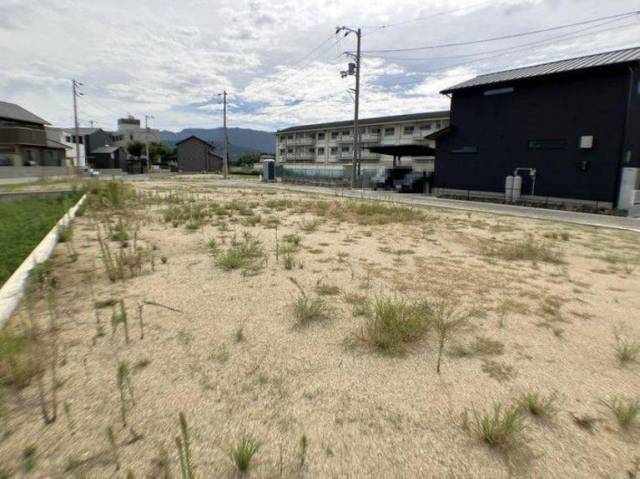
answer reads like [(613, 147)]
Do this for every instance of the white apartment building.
[(330, 145), (129, 129)]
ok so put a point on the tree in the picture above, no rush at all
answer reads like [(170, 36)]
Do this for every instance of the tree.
[(159, 152), (135, 148), (248, 159)]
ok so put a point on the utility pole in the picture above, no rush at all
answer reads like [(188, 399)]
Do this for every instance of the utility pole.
[(75, 84), (146, 141), (225, 166), (354, 69)]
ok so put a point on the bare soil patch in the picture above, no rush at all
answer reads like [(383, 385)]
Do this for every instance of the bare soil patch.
[(300, 335)]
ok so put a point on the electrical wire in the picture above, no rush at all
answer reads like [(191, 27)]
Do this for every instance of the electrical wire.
[(499, 50), (504, 37), (521, 47)]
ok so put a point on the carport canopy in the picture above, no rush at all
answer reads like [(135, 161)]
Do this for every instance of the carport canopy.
[(398, 151), (403, 150)]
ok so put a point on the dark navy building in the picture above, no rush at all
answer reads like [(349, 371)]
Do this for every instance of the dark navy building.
[(570, 129)]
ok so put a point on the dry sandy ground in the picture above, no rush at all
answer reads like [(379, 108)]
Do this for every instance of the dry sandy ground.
[(365, 414)]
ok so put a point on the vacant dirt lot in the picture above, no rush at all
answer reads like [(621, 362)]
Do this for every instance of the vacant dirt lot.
[(311, 328)]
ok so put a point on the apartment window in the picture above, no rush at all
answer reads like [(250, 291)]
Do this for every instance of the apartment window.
[(282, 150), (346, 132), (425, 127), (389, 131), (334, 150), (67, 139), (546, 144), (131, 137), (290, 151), (345, 149), (375, 131), (438, 125), (321, 151), (290, 137), (320, 136), (311, 150), (408, 130), (334, 135)]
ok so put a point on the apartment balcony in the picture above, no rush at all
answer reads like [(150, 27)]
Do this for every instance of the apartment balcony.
[(364, 138), (370, 137), (304, 141), (303, 157)]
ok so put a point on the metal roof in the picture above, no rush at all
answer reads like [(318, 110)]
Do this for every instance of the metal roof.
[(11, 111), (370, 121), (572, 64), (105, 149), (197, 138)]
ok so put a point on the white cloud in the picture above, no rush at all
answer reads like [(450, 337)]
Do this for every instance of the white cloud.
[(171, 59)]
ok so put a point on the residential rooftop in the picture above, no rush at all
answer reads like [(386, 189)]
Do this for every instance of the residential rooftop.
[(370, 121), (11, 111), (628, 55)]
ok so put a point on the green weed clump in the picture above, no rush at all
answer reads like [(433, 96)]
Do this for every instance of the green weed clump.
[(539, 405), (396, 323), (243, 453), (114, 194), (246, 254), (17, 353), (501, 428), (65, 233)]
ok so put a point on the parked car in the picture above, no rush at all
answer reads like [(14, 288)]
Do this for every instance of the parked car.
[(389, 178), (414, 182)]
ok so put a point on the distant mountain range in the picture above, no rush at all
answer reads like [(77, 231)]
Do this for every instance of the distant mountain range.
[(241, 140)]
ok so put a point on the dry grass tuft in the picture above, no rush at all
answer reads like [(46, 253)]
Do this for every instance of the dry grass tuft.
[(524, 250), (396, 323), (501, 428), (538, 405), (626, 411)]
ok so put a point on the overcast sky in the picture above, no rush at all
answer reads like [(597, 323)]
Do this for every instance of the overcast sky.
[(280, 60)]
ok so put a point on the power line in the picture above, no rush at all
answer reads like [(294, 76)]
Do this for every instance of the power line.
[(521, 47), (505, 37), (505, 49)]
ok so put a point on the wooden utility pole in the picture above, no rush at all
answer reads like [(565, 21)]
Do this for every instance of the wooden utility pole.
[(76, 94), (354, 69), (225, 165)]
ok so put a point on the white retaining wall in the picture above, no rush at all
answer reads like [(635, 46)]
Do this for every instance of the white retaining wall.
[(13, 290)]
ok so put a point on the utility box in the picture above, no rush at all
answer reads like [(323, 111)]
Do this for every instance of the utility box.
[(268, 171)]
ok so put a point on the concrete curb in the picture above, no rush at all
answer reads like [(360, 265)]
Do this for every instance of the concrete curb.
[(13, 290)]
